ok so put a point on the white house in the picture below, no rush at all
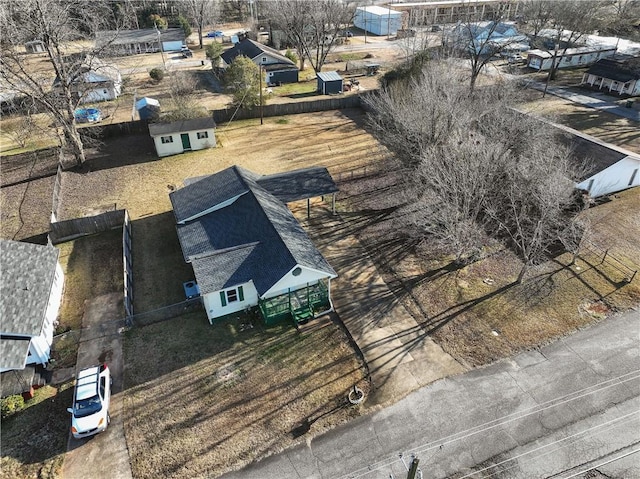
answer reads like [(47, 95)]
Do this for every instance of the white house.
[(247, 249), (93, 80), (146, 40), (183, 135), (608, 168), (572, 57), (619, 77), (31, 293), (34, 46), (378, 20)]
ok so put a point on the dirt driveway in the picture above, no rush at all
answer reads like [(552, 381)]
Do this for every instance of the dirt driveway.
[(104, 455)]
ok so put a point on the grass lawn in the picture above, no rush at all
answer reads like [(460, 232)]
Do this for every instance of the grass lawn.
[(202, 400), (34, 440)]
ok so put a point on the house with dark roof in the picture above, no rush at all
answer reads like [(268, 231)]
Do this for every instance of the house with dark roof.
[(246, 247), (621, 77), (278, 68), (30, 297), (92, 80), (146, 40), (607, 168), (171, 138)]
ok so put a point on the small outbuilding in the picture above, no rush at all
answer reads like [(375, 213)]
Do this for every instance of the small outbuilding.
[(175, 137), (378, 20), (329, 83), (148, 108), (34, 46)]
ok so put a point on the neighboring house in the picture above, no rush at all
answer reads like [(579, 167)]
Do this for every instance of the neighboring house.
[(183, 135), (487, 38), (34, 46), (572, 57), (247, 249), (329, 83), (93, 80), (378, 20), (452, 11), (608, 168), (148, 40), (278, 68), (31, 293), (621, 77)]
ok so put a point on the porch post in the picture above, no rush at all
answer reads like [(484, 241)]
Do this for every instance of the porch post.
[(333, 203), (308, 207)]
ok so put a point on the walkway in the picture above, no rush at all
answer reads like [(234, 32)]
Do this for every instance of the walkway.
[(594, 100), (400, 356), (538, 414), (104, 455)]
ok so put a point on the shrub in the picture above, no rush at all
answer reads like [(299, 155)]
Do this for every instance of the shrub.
[(157, 74), (11, 405), (291, 56)]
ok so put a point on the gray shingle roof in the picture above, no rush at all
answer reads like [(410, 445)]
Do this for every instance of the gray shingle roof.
[(616, 70), (329, 76), (28, 271), (156, 129), (254, 238), (14, 352), (123, 37), (252, 49), (299, 184)]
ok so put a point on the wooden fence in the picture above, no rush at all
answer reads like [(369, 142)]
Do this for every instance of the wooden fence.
[(61, 231), (127, 266), (282, 109), (163, 314)]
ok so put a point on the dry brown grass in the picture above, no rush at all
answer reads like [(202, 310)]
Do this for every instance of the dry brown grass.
[(204, 399)]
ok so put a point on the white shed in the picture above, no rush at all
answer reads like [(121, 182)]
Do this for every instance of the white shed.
[(378, 20), (573, 57), (183, 135)]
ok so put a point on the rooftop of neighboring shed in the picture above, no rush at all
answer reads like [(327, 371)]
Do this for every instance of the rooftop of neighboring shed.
[(156, 129), (329, 76)]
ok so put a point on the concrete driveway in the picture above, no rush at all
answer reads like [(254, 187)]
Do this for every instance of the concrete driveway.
[(564, 408), (104, 455)]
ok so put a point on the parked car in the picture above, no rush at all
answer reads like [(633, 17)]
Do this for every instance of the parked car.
[(216, 34), (186, 53), (88, 115), (346, 33), (91, 400)]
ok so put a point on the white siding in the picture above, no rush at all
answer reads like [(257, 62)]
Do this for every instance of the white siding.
[(175, 147), (615, 178), (39, 351), (572, 58), (291, 282), (213, 304), (377, 20)]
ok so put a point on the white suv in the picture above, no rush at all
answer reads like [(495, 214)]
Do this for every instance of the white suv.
[(91, 399)]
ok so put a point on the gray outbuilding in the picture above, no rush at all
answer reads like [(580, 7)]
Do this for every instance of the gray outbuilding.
[(329, 83)]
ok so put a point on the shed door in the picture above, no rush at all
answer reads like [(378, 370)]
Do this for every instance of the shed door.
[(186, 143)]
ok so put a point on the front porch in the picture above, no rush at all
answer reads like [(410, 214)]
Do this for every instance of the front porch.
[(299, 305)]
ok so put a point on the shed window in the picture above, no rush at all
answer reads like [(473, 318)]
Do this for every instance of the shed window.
[(203, 134), (166, 139), (264, 59), (231, 295)]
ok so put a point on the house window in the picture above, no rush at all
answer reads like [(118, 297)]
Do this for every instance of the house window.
[(202, 135), (567, 59), (231, 295), (166, 139), (264, 59), (633, 177)]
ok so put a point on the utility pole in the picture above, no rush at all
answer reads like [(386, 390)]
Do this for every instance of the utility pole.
[(413, 468), (260, 75), (164, 65)]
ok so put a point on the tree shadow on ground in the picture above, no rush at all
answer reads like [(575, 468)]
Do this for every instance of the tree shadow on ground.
[(124, 150)]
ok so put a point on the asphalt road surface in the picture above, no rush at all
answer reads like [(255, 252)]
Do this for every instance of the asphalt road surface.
[(557, 411)]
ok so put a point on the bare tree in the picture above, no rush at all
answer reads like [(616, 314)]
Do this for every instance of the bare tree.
[(185, 102), (56, 24), (313, 26), (479, 171), (566, 23), (202, 13)]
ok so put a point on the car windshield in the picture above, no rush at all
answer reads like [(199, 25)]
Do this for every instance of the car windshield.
[(87, 407)]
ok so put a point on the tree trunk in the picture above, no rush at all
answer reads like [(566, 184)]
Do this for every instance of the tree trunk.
[(74, 143), (200, 37), (523, 271)]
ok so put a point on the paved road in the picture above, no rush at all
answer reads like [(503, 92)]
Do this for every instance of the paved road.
[(541, 413)]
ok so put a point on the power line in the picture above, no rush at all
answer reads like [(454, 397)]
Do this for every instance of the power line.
[(602, 464), (596, 388)]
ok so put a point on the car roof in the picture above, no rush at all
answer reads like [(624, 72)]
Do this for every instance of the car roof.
[(87, 383)]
